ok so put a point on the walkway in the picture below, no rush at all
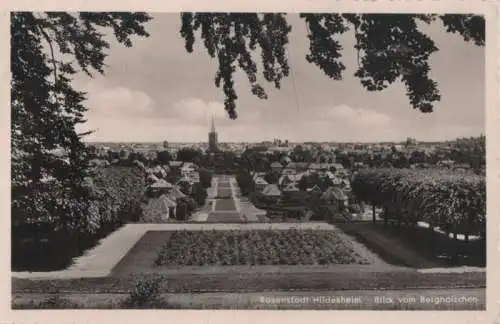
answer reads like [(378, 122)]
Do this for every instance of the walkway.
[(99, 261), (225, 208)]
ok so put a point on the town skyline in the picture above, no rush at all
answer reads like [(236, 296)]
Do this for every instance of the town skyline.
[(213, 129)]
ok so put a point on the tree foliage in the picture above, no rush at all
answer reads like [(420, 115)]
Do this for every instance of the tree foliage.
[(49, 159), (438, 197), (187, 154), (390, 47)]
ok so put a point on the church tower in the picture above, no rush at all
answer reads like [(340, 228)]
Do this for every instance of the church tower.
[(212, 138)]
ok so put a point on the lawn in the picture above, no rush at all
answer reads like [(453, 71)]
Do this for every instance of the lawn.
[(263, 247), (225, 205), (224, 192)]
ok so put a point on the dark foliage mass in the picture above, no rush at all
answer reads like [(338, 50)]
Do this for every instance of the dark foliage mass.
[(390, 47), (49, 160)]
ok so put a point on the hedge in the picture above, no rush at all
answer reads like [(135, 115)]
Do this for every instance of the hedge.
[(443, 198)]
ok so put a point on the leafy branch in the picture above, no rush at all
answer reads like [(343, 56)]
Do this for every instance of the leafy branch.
[(389, 47)]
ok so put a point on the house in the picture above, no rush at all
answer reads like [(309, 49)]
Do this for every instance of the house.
[(176, 193), (162, 184), (151, 178), (301, 166), (298, 176), (346, 184), (185, 185), (160, 209), (329, 175), (315, 190), (336, 181), (360, 165), (291, 187), (189, 165), (256, 175), (272, 191), (324, 166), (289, 171), (159, 172), (276, 166), (160, 187), (284, 180), (317, 167), (336, 167), (97, 163), (194, 177), (166, 168), (175, 164), (260, 184), (188, 168)]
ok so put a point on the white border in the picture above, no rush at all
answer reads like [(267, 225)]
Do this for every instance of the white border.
[(132, 316)]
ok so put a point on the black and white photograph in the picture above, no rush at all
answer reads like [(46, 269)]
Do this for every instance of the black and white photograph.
[(248, 160)]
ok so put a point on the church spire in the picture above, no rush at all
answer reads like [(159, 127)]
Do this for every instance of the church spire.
[(213, 125)]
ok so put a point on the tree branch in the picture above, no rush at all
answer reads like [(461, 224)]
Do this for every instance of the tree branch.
[(47, 38)]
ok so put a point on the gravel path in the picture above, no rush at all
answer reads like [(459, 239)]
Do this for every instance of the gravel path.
[(99, 261)]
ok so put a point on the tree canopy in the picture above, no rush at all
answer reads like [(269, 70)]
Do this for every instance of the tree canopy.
[(49, 159), (390, 47)]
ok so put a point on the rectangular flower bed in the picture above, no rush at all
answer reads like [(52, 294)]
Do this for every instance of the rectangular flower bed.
[(263, 247)]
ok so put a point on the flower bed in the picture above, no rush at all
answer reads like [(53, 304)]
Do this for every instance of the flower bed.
[(263, 247)]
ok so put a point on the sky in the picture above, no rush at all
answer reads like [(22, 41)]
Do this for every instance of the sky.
[(156, 91)]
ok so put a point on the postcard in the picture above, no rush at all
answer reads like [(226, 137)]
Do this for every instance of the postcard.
[(303, 158)]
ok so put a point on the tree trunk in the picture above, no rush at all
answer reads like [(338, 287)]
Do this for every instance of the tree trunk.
[(374, 219), (469, 225), (432, 237)]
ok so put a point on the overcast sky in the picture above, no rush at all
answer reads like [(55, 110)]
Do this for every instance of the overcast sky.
[(156, 91)]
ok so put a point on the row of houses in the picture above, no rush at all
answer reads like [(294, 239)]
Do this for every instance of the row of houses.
[(186, 174), (290, 177), (287, 166), (165, 195)]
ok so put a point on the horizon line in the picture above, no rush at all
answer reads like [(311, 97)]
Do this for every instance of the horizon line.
[(289, 142)]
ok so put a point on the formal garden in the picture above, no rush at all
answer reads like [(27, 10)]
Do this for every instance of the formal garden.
[(115, 232)]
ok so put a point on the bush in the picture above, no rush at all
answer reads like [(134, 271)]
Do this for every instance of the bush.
[(205, 177), (182, 212), (145, 293), (199, 194)]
